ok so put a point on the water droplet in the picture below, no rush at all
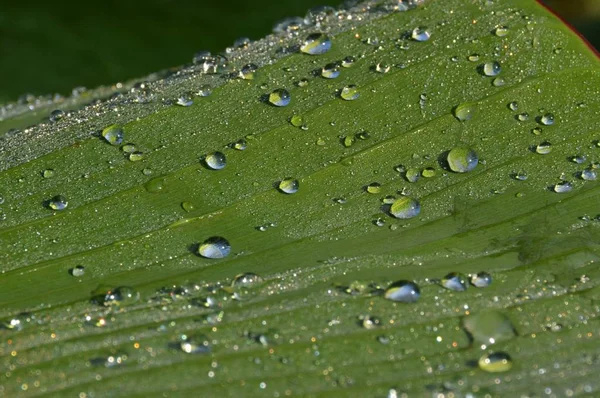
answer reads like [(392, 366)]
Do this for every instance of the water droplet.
[(388, 200), (280, 97), (185, 101), (248, 71), (412, 174), (330, 71), (464, 112), (363, 135), (579, 159), (204, 91), (214, 247), (491, 68), (547, 119), (348, 141), (348, 61), (113, 134), (136, 156), (288, 185), (489, 327), (239, 145), (297, 120), (128, 148), (495, 362), (420, 34), (473, 57), (403, 291), (58, 202), (187, 206), (316, 44), (382, 68), (523, 117), (215, 161), (349, 93), (77, 271), (520, 175), (380, 222), (373, 188), (428, 172), (56, 115), (498, 82), (462, 159), (48, 173), (198, 344), (302, 83), (543, 148), (588, 175), (123, 295), (501, 31), (513, 106), (563, 187), (481, 279), (536, 131), (455, 281), (405, 207), (247, 279), (369, 321)]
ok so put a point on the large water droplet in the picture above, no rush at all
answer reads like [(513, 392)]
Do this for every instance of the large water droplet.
[(420, 34), (464, 112), (56, 115), (349, 93), (215, 160), (248, 71), (489, 327), (543, 148), (455, 281), (501, 31), (214, 247), (348, 61), (373, 188), (58, 202), (412, 174), (563, 187), (403, 291), (288, 185), (588, 175), (316, 44), (547, 119), (491, 68), (382, 68), (495, 362), (481, 279), (330, 71), (156, 185), (405, 207), (462, 159), (113, 134), (280, 97)]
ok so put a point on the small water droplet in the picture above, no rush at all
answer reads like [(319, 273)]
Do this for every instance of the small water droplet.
[(543, 148), (156, 185), (123, 295), (316, 44), (288, 185), (382, 68), (428, 172), (185, 100), (379, 222), (302, 83), (239, 145), (498, 82), (520, 175), (513, 106), (247, 279), (198, 344), (113, 134), (128, 148), (297, 120), (523, 117), (330, 71), (280, 97), (77, 271), (405, 207), (58, 202), (473, 57), (204, 91), (462, 159), (56, 115), (495, 362), (412, 174), (563, 187), (420, 34), (547, 119), (369, 321), (214, 247), (373, 188), (481, 279), (588, 175), (48, 173), (136, 156), (215, 160), (348, 141), (489, 327), (248, 71), (187, 206), (388, 200), (464, 112), (455, 281), (491, 68), (403, 291), (348, 61), (579, 159), (536, 131), (349, 93), (501, 31)]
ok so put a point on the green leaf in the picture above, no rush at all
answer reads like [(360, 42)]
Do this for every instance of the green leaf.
[(318, 323)]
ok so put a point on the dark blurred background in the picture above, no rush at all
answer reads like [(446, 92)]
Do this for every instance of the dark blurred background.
[(53, 46)]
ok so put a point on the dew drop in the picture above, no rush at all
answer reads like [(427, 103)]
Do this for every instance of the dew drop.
[(198, 344), (58, 202), (128, 148), (481, 279), (56, 115), (214, 247), (349, 93), (563, 187), (373, 188), (536, 131), (473, 57), (428, 172), (280, 97), (501, 31), (491, 68), (185, 101), (513, 106), (187, 206), (348, 141), (48, 173), (113, 134), (247, 279), (464, 112), (348, 61), (123, 295), (420, 34), (288, 185), (523, 117), (369, 322), (579, 159), (462, 159), (382, 68), (297, 121), (204, 91), (77, 271), (248, 71), (520, 175), (547, 119), (412, 174), (489, 327), (403, 291), (588, 175), (240, 145), (498, 82), (405, 207), (136, 156), (330, 71), (316, 44), (388, 200), (302, 83), (215, 160), (455, 281), (495, 362), (543, 148)]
